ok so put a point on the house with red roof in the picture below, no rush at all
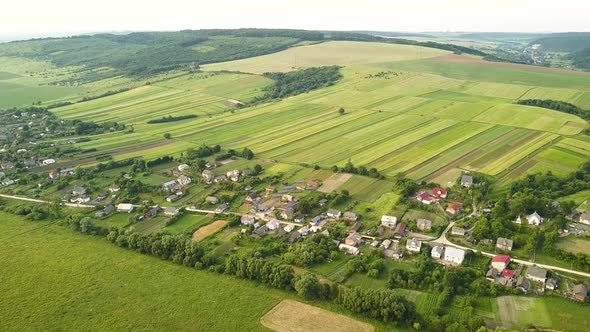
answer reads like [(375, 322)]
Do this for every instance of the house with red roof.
[(439, 193), (500, 262), (508, 274), (424, 198)]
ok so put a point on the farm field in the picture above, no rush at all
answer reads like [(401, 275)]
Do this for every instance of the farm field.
[(401, 116), (91, 270), (574, 244)]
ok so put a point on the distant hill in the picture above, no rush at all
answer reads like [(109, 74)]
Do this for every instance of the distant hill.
[(564, 42), (500, 36), (148, 53), (394, 34)]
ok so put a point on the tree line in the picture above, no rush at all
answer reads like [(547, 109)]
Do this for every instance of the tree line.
[(171, 118), (557, 105)]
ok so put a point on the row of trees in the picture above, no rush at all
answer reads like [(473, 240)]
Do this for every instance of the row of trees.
[(361, 170), (557, 105), (171, 118)]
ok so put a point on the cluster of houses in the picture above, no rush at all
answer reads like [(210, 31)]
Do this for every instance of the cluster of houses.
[(427, 198), (448, 255), (533, 219), (54, 175), (535, 279), (234, 175), (174, 187)]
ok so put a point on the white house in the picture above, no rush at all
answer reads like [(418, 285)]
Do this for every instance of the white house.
[(184, 180), (234, 175), (183, 167), (333, 213), (273, 224), (248, 220), (413, 245), (534, 219), (48, 161), (125, 208), (436, 252), (454, 255), (289, 228), (386, 244), (518, 221), (585, 218), (388, 221)]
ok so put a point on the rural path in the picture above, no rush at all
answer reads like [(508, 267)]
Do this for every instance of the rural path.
[(444, 241), (241, 214), (34, 200)]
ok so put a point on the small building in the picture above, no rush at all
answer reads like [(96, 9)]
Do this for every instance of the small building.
[(439, 193), (289, 228), (355, 227), (222, 208), (500, 262), (208, 176), (171, 211), (424, 224), (413, 245), (454, 255), (518, 221), (79, 191), (375, 244), (184, 180), (172, 198), (388, 221), (52, 175), (304, 230), (385, 244), (585, 218), (212, 200), (351, 250), (424, 198), (350, 216), (170, 185), (536, 273), (394, 251), (400, 231), (125, 208), (234, 175), (48, 162), (504, 244), (578, 293), (105, 211), (288, 213), (534, 219), (252, 198), (183, 167), (459, 231), (287, 198), (466, 181), (335, 214), (437, 252), (247, 219), (114, 188), (294, 237), (212, 164), (353, 239), (551, 284), (274, 224), (152, 212), (523, 284), (454, 208)]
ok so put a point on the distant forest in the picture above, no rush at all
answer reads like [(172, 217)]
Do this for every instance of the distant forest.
[(148, 53)]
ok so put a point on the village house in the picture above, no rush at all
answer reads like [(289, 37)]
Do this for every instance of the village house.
[(323, 202), (288, 213), (252, 198), (7, 165), (289, 228), (459, 231), (304, 230), (274, 224), (67, 172), (287, 198), (375, 244), (388, 221), (208, 176), (184, 181), (170, 185), (534, 219), (48, 162), (585, 218), (125, 208), (350, 216), (578, 293), (454, 255), (219, 179), (78, 191), (394, 251), (523, 284), (174, 197), (294, 237), (500, 262), (504, 244), (114, 188), (437, 252), (439, 193), (551, 284), (466, 181), (105, 211), (353, 239), (171, 211), (413, 245), (385, 244), (536, 273), (424, 198), (212, 164), (351, 250), (52, 175), (183, 167), (299, 218), (247, 219), (8, 182), (454, 208), (222, 208), (334, 214), (212, 200), (518, 221), (400, 231), (355, 227), (152, 212), (234, 175), (424, 224)]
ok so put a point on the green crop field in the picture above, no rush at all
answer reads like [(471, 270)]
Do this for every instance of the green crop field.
[(66, 281), (427, 118)]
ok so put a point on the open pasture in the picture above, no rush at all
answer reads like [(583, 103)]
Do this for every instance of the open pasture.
[(574, 244), (205, 231)]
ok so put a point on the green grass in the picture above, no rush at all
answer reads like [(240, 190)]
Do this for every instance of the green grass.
[(188, 222), (57, 280)]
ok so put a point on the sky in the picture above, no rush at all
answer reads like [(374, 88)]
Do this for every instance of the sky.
[(37, 18)]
